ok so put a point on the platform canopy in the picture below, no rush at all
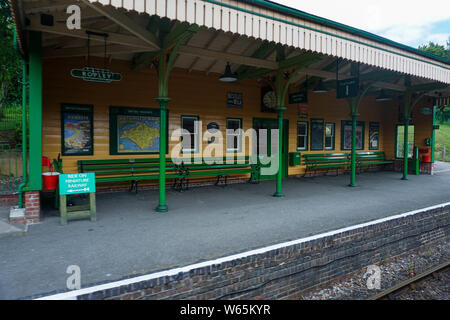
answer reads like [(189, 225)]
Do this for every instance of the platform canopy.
[(230, 31)]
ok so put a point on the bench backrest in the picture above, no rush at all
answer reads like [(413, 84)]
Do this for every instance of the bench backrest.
[(367, 156), (326, 158)]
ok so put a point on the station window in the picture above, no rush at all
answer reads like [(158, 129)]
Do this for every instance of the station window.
[(329, 136), (234, 135), (302, 135), (400, 135), (190, 139)]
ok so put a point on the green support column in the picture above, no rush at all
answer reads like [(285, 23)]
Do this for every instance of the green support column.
[(35, 111), (353, 153), (162, 206), (433, 132), (405, 149), (278, 193)]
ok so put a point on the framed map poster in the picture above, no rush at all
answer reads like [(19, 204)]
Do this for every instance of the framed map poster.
[(77, 129), (374, 136), (346, 135), (134, 130)]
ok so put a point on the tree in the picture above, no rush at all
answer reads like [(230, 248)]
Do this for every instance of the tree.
[(10, 65), (437, 50)]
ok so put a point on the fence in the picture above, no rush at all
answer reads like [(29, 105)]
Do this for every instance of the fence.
[(11, 171)]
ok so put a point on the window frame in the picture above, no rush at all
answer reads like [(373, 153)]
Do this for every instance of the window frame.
[(239, 139), (333, 147), (305, 137), (397, 142), (195, 134)]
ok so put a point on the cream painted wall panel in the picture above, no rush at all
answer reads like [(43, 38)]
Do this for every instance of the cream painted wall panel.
[(116, 3), (225, 19), (190, 11), (233, 21), (128, 4), (276, 33), (295, 37), (172, 9), (150, 7), (139, 5), (161, 8), (208, 13), (248, 26), (199, 13), (181, 10)]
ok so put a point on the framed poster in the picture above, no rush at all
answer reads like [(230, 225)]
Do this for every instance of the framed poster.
[(317, 134), (374, 135), (77, 130), (134, 130), (346, 135)]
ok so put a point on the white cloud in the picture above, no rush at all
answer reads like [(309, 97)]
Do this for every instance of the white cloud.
[(409, 22)]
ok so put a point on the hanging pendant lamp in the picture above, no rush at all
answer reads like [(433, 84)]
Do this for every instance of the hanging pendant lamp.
[(228, 76)]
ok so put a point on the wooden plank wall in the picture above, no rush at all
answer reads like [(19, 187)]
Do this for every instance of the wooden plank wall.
[(193, 94)]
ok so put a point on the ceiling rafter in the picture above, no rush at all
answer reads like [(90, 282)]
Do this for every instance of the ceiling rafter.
[(207, 46), (61, 29), (125, 22), (225, 49)]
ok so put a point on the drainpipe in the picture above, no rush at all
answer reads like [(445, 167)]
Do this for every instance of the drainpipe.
[(24, 126)]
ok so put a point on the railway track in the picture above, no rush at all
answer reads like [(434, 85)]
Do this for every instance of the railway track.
[(417, 278)]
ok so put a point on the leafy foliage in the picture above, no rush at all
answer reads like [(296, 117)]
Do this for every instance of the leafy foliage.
[(10, 64), (437, 50)]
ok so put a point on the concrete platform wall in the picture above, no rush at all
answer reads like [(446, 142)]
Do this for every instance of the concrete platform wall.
[(284, 270)]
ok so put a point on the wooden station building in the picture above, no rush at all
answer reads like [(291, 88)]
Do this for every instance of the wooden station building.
[(117, 83)]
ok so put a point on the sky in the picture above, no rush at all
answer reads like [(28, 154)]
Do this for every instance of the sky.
[(410, 22)]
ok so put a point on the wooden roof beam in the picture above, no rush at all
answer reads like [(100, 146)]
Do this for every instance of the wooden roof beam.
[(125, 22), (61, 29)]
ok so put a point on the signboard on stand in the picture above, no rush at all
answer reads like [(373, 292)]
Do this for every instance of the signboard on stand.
[(72, 184)]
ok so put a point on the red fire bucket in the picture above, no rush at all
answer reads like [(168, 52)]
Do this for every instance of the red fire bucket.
[(426, 158), (50, 180)]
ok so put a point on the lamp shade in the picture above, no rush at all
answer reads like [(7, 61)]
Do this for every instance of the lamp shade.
[(228, 76)]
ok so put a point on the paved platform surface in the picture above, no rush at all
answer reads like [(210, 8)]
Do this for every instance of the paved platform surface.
[(7, 228), (130, 238)]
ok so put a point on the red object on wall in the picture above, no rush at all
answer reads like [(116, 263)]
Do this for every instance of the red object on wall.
[(46, 162)]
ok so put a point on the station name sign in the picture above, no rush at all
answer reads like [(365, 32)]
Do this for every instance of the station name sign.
[(95, 75), (75, 183)]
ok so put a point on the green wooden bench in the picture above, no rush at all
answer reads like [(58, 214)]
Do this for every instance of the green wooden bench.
[(320, 161), (181, 170), (371, 159), (218, 168), (134, 170)]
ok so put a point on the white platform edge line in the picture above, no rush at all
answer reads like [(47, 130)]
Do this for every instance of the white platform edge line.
[(72, 295)]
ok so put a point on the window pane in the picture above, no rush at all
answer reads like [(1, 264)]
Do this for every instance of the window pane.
[(329, 136), (233, 124), (233, 134), (302, 135), (189, 140)]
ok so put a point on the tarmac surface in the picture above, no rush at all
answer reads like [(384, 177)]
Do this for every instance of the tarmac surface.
[(130, 238)]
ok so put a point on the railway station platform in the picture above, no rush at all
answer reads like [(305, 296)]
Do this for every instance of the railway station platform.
[(204, 223)]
